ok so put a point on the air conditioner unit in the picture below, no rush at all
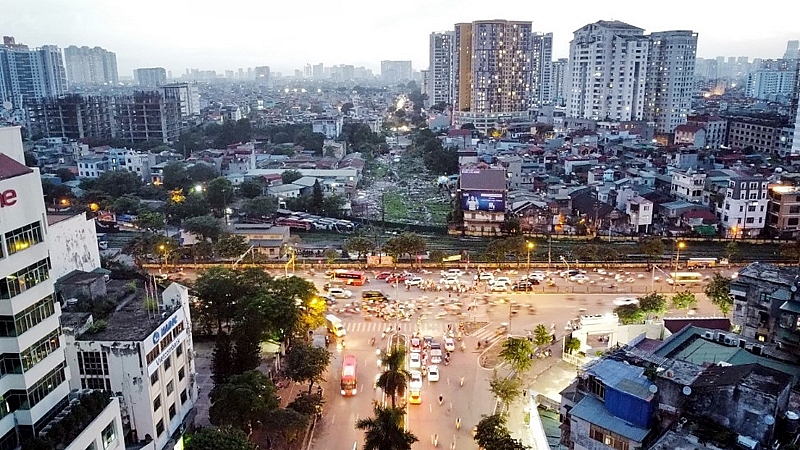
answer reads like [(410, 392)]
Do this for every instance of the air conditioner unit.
[(721, 337), (730, 341), (758, 350), (708, 335)]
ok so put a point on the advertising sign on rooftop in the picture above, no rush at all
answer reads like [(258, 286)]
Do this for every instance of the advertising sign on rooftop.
[(483, 201)]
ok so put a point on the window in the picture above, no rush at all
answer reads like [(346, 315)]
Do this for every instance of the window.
[(179, 350), (170, 387), (597, 388), (168, 362), (91, 446), (109, 435), (40, 350), (24, 237), (171, 411), (183, 396), (31, 316), (160, 427), (103, 384), (181, 373), (45, 386), (792, 222), (19, 281), (157, 403), (608, 438), (154, 377), (92, 363)]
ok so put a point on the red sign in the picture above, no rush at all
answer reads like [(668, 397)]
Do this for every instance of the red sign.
[(8, 198)]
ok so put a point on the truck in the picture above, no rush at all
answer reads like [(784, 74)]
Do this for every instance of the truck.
[(335, 326), (706, 262)]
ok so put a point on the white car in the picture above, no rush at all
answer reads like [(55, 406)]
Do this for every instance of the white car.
[(449, 345), (455, 272), (433, 373), (621, 301), (337, 292), (449, 281), (416, 281), (579, 278), (498, 287), (415, 383), (502, 280), (414, 361), (486, 276), (538, 276)]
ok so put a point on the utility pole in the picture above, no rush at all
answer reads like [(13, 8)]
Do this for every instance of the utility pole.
[(549, 250)]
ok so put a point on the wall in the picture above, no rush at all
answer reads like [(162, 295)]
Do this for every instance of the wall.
[(94, 432), (73, 245)]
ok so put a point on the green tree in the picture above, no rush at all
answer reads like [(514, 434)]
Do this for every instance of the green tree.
[(247, 336), (541, 336), (719, 291), (653, 304), (127, 204), (243, 401), (149, 220), (206, 227), (731, 249), (330, 255), (572, 345), (394, 378), (65, 174), (175, 176), (222, 293), (317, 197), (629, 314), (506, 389), (437, 256), (30, 159), (492, 434), (222, 359), (260, 207), (251, 188), (288, 422), (290, 176), (405, 244), (293, 307), (219, 194), (652, 246), (684, 300), (200, 172), (517, 353), (346, 108), (307, 403), (304, 362), (117, 183), (218, 439), (384, 431), (231, 245), (359, 245)]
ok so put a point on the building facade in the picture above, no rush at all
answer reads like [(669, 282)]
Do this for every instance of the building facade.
[(482, 194), (147, 116), (27, 75), (558, 79), (716, 129), (187, 96), (688, 185), (759, 134), (396, 71), (772, 85), (541, 68), (440, 66), (783, 215), (670, 78), (150, 76), (607, 72), (72, 116), (90, 66), (744, 209)]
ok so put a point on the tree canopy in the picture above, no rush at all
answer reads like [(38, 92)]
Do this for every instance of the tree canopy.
[(718, 291), (218, 439), (243, 401), (384, 431), (304, 362)]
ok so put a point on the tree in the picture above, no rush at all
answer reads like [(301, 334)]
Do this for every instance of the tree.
[(218, 439), (292, 308), (247, 335), (346, 108), (304, 362), (731, 249), (30, 159), (65, 174), (572, 345), (128, 204), (506, 389), (175, 176), (652, 246), (260, 207), (149, 220), (719, 291), (231, 245), (791, 250), (307, 403), (290, 176), (243, 401), (330, 255), (684, 300), (405, 244), (317, 197), (384, 431), (629, 314), (492, 434), (394, 379), (541, 336), (288, 422), (219, 194), (117, 183), (222, 292), (200, 172), (359, 245), (653, 304), (251, 188), (222, 359), (206, 227), (517, 353)]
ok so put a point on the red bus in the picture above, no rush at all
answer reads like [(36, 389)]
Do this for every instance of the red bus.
[(350, 278), (349, 382), (294, 223)]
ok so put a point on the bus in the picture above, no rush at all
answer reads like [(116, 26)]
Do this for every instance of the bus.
[(294, 223), (706, 262), (349, 381), (682, 278), (349, 277)]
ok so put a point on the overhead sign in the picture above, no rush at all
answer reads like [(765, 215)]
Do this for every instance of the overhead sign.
[(165, 328), (483, 201)]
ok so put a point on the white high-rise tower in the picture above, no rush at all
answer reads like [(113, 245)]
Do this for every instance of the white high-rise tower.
[(670, 78), (440, 68)]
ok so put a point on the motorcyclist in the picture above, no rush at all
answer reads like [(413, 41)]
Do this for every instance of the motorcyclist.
[(458, 423), (441, 399), (372, 341)]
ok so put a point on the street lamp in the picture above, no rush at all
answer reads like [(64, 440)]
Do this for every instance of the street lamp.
[(530, 246), (680, 245), (163, 248)]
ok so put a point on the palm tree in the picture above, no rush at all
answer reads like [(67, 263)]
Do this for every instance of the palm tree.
[(517, 352), (384, 431), (394, 379)]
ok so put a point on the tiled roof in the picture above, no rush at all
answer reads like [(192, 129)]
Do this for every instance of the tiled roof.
[(10, 168)]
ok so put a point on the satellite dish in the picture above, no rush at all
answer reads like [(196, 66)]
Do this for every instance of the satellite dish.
[(653, 388), (769, 420), (687, 390), (794, 288)]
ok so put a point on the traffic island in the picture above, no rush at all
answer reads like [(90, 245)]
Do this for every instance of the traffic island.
[(490, 358), (473, 327)]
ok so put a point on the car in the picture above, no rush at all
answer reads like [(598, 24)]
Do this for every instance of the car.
[(523, 286), (538, 276), (414, 397), (622, 301), (414, 361), (428, 340), (436, 353), (416, 345), (397, 277), (329, 300), (337, 292), (383, 275), (502, 280), (579, 278), (486, 276), (449, 344), (450, 281), (415, 281), (455, 272), (498, 287), (433, 373), (415, 380), (569, 273)]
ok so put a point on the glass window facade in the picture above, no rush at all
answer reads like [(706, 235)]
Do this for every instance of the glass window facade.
[(18, 282), (24, 237), (31, 316)]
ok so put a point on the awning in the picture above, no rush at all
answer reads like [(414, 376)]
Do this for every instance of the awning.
[(705, 230), (790, 306)]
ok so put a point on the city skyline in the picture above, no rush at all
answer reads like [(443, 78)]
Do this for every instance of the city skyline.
[(205, 35)]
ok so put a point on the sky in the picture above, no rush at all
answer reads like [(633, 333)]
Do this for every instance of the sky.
[(229, 34)]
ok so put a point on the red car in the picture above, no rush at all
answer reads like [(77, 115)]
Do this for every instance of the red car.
[(383, 275), (397, 277)]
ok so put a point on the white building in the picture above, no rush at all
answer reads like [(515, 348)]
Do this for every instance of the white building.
[(745, 207), (35, 381), (130, 160), (72, 240), (670, 78), (607, 71), (187, 95), (640, 213), (440, 67), (688, 185), (558, 80), (331, 127), (145, 356), (769, 84), (92, 166), (541, 68)]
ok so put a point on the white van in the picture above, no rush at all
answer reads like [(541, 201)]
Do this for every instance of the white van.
[(335, 326)]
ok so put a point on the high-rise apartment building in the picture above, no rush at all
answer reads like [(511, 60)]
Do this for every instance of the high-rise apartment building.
[(558, 81), (396, 71), (147, 116), (318, 71), (262, 75), (771, 84), (440, 66), (90, 66), (669, 78), (151, 76), (491, 72), (792, 50), (607, 68), (26, 75), (541, 68)]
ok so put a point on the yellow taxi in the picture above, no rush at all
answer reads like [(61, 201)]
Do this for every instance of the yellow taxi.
[(414, 397)]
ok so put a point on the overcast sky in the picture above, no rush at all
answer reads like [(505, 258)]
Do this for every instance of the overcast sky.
[(228, 34)]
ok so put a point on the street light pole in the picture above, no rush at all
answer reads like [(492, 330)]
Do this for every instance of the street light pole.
[(530, 246), (679, 245)]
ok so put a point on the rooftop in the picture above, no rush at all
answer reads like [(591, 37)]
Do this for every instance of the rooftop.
[(593, 411), (753, 376), (10, 168), (771, 273), (489, 179), (621, 376), (674, 440)]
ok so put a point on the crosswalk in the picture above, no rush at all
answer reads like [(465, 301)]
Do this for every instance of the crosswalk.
[(489, 332)]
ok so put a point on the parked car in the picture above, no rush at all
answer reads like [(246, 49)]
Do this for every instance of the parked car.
[(522, 286), (383, 275), (337, 292), (579, 278), (538, 276), (415, 281)]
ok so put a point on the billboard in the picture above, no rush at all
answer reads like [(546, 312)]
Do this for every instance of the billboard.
[(483, 201)]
